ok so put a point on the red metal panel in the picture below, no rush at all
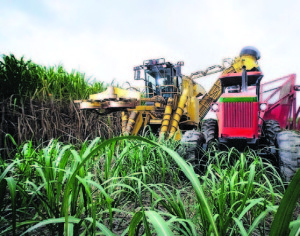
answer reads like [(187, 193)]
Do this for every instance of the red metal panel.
[(239, 119), (282, 107), (238, 114), (281, 113)]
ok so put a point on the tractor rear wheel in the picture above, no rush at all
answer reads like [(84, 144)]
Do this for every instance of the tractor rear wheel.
[(270, 130), (210, 131), (191, 148), (289, 154)]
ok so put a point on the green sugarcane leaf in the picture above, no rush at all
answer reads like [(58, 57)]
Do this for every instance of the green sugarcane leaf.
[(282, 219), (241, 226), (161, 226), (51, 221), (135, 221), (103, 228)]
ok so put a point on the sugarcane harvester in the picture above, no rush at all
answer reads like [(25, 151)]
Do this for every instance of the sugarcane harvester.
[(169, 104)]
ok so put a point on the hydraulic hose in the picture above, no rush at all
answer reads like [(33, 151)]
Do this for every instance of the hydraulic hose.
[(166, 119), (124, 121), (131, 122), (179, 112)]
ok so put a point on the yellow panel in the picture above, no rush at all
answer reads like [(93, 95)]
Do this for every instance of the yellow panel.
[(144, 108), (215, 91), (198, 90), (155, 122), (114, 93), (90, 105), (213, 94), (124, 93), (178, 135), (237, 65), (193, 110), (138, 124), (158, 104), (146, 120)]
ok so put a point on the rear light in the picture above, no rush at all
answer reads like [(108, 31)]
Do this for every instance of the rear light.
[(263, 106)]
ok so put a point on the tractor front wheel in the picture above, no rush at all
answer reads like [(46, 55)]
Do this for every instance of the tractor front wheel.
[(289, 154), (191, 147), (210, 131), (270, 130)]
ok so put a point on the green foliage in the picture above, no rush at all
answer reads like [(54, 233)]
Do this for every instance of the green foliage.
[(281, 222), (18, 77), (242, 189), (130, 185), (25, 79), (58, 84)]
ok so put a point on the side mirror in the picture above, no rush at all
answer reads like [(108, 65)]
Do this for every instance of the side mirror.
[(297, 87)]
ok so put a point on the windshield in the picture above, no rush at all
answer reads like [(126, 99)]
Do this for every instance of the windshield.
[(156, 78), (150, 83), (237, 89)]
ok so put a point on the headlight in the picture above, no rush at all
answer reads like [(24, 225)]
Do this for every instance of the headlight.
[(263, 106), (215, 107)]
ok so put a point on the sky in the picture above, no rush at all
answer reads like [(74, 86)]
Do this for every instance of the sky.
[(106, 39)]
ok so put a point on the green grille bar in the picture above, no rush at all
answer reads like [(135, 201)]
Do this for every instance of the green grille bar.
[(239, 99)]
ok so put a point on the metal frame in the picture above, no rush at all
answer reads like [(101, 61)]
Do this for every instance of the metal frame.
[(291, 96)]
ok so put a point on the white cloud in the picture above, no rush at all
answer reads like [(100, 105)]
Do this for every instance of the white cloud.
[(106, 39)]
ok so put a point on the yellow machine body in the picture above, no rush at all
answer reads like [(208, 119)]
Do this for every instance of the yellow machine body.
[(237, 65), (182, 108)]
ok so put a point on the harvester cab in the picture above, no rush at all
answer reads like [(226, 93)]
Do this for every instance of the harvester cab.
[(161, 78)]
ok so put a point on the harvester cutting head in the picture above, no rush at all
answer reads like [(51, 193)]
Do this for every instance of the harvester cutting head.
[(162, 81), (112, 99)]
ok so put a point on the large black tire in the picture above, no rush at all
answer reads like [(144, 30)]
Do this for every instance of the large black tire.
[(289, 154), (210, 131), (192, 142), (270, 129)]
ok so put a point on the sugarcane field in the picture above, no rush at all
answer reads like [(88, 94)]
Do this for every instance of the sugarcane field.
[(152, 143)]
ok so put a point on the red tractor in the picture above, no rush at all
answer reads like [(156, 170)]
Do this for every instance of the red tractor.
[(252, 114)]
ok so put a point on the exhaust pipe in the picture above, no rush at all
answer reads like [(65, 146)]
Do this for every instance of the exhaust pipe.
[(244, 80)]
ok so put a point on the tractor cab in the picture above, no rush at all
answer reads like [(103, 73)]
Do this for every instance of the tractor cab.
[(161, 78), (240, 83)]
